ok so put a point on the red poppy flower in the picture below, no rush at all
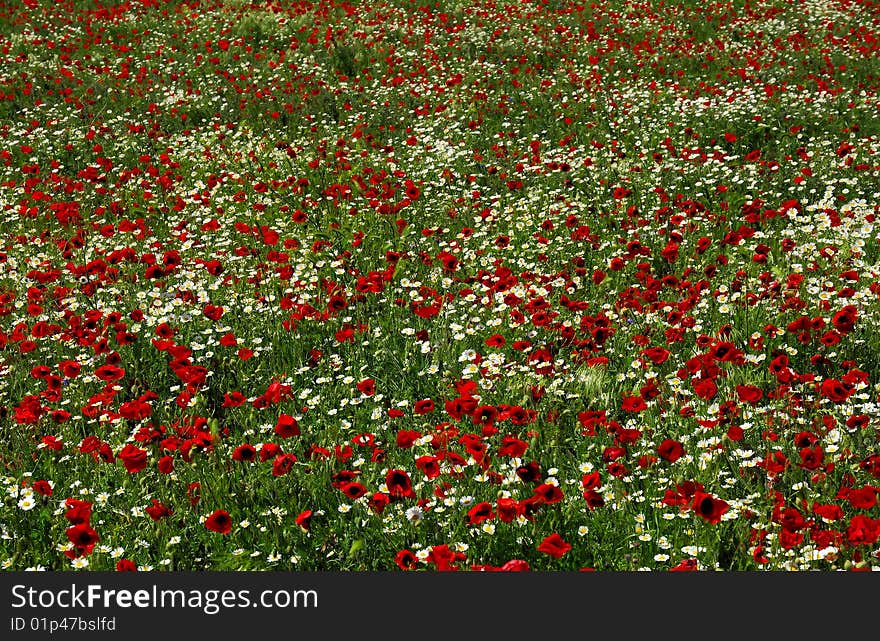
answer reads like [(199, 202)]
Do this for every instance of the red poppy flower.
[(194, 493), (282, 464), (857, 422), (831, 338), (83, 537), (219, 521), (399, 484), (60, 416), (449, 261), (530, 472), (724, 351), (521, 416), (749, 393), (458, 407), (443, 558), (594, 499), (480, 512), (554, 545), (110, 373), (233, 399), (165, 464), (135, 410), (548, 493), (367, 387), (158, 510), (287, 426), (70, 369), (708, 507), (834, 390), (133, 458), (844, 321), (214, 267), (378, 502), (424, 406), (871, 465), (507, 509), (353, 490), (304, 519), (78, 511), (862, 530), (612, 453), (228, 340), (811, 458), (617, 469), (42, 488), (406, 438), (863, 498), (686, 565), (126, 565), (591, 481), (634, 404), (495, 340), (406, 560), (484, 415), (367, 439), (213, 312), (513, 447), (705, 388), (656, 355), (828, 512), (670, 450), (244, 452)]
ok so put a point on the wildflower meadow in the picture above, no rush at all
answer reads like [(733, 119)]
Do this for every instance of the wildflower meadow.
[(420, 285)]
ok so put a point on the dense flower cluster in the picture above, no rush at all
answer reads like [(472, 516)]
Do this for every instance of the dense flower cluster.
[(446, 286)]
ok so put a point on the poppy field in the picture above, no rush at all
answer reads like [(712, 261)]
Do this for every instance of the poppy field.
[(453, 285)]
